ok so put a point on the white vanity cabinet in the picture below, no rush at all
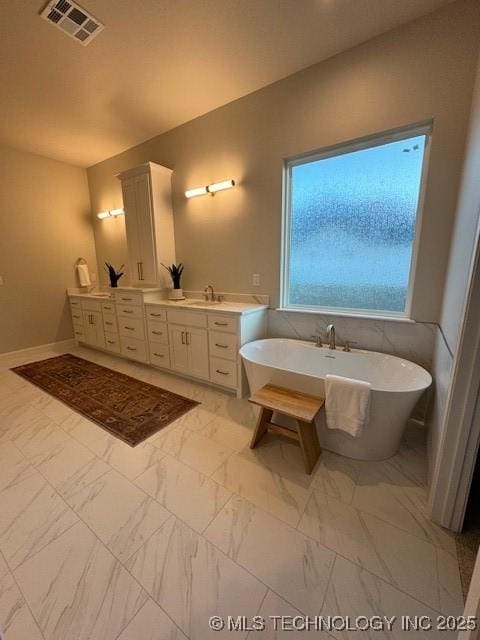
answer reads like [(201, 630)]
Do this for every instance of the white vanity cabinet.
[(195, 342), (77, 319), (189, 350), (202, 344), (158, 338), (110, 326), (130, 315), (93, 326), (87, 321), (147, 202)]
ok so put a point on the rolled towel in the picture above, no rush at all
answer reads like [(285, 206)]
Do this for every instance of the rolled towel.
[(347, 404), (83, 275)]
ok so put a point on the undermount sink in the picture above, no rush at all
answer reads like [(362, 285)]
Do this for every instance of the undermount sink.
[(100, 295), (205, 303)]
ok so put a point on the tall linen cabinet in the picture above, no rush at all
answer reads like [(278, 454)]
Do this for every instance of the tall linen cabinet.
[(147, 201)]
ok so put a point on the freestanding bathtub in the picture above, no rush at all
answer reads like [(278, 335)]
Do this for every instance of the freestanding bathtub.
[(397, 385)]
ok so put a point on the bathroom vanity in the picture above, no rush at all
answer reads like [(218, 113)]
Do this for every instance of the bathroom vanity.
[(193, 338)]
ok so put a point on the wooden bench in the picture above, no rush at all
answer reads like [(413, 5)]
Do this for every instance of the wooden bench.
[(300, 406)]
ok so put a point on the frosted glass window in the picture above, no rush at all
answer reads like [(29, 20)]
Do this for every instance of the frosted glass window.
[(350, 229)]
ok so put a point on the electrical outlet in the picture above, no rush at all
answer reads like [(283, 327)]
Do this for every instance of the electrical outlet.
[(256, 280)]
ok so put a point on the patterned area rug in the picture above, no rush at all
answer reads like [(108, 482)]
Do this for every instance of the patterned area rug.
[(128, 408)]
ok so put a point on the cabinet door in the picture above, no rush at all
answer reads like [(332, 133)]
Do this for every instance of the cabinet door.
[(90, 336), (93, 328), (178, 349), (197, 340), (131, 227), (146, 231), (97, 323)]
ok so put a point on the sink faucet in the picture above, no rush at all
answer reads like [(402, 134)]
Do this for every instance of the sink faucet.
[(331, 336), (210, 295)]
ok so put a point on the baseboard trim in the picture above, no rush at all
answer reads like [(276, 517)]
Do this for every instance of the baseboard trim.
[(62, 345)]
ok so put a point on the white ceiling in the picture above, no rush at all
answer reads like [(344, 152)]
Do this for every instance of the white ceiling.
[(160, 63)]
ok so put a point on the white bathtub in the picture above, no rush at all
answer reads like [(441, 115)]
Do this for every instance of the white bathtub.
[(397, 385)]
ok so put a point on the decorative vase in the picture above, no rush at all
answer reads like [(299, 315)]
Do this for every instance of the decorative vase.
[(176, 294)]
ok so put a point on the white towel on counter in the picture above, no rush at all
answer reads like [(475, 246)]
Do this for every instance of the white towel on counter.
[(83, 275), (347, 404)]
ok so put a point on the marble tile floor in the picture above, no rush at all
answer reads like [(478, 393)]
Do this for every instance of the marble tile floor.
[(102, 541)]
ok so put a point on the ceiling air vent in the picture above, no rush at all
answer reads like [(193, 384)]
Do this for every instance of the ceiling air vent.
[(72, 20)]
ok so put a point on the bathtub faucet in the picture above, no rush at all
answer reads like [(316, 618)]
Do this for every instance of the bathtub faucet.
[(331, 336)]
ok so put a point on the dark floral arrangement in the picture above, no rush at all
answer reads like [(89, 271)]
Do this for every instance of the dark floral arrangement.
[(113, 274), (175, 272)]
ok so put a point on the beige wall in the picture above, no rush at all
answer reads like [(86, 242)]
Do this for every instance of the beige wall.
[(45, 225), (465, 231), (419, 71), (464, 245)]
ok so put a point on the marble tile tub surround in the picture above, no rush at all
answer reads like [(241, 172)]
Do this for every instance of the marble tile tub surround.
[(102, 541), (411, 340)]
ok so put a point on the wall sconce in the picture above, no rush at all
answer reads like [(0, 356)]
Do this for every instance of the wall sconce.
[(110, 214), (210, 188)]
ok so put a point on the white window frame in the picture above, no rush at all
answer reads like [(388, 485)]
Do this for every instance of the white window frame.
[(367, 142)]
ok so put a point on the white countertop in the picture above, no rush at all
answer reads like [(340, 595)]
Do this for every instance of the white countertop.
[(91, 296), (192, 304)]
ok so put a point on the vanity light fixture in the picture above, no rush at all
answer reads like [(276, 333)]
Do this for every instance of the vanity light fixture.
[(220, 186), (210, 188), (113, 213), (199, 191)]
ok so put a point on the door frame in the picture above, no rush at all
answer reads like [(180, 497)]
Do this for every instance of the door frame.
[(460, 441)]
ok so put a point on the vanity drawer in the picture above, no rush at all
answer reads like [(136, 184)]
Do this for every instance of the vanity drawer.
[(223, 372), (135, 349), (77, 317), (92, 305), (187, 318), (131, 328), (78, 333), (128, 311), (128, 298), (75, 303), (108, 307), (223, 345), (110, 323), (159, 355), (156, 314), (158, 332), (112, 342), (222, 323)]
